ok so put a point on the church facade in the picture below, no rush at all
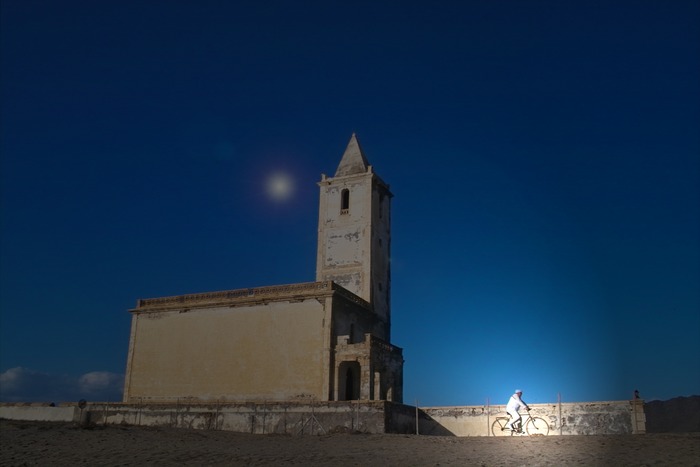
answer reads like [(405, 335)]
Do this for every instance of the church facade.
[(327, 340)]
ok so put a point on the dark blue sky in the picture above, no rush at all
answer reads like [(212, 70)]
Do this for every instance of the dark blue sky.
[(544, 157)]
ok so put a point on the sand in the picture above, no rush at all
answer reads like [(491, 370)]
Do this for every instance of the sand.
[(36, 443)]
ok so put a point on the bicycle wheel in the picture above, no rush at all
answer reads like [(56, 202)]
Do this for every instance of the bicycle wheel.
[(537, 426), (497, 428)]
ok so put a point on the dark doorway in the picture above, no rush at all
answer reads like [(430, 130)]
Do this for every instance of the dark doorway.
[(349, 381), (349, 386)]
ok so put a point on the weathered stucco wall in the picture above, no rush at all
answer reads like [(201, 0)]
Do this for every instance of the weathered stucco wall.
[(381, 251), (354, 320), (271, 351), (584, 418), (618, 417), (344, 243), (354, 239), (258, 418), (40, 413)]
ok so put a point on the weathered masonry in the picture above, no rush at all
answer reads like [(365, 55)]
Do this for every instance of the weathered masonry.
[(320, 341), (306, 417), (578, 418)]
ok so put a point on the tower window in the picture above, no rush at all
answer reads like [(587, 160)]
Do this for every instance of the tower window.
[(345, 201)]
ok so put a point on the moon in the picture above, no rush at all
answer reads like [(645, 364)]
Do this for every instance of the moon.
[(279, 186)]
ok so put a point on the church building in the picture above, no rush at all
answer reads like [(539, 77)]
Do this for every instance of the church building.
[(327, 340)]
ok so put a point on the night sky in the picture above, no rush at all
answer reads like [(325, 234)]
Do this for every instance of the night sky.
[(544, 157)]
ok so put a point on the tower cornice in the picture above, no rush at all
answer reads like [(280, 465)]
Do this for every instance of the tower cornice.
[(326, 180)]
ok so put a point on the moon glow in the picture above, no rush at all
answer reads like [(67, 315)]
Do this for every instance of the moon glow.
[(279, 186)]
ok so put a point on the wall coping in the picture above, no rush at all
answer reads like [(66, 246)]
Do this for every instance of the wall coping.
[(248, 296), (534, 404)]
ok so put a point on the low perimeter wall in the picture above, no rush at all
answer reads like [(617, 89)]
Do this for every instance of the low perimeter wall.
[(40, 412), (582, 418), (260, 418), (617, 417)]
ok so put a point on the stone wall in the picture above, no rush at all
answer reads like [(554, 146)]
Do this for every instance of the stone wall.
[(617, 417), (39, 412), (581, 418), (258, 418)]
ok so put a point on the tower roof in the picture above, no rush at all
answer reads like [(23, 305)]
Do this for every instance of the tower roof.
[(353, 161)]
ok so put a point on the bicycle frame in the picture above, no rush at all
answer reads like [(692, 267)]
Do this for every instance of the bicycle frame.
[(533, 426)]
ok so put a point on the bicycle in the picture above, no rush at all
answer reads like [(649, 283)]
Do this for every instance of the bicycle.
[(534, 426)]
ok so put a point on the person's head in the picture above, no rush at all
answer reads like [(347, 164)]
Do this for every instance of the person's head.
[(518, 392)]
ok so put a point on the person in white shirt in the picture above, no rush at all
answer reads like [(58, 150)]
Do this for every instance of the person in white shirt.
[(514, 405)]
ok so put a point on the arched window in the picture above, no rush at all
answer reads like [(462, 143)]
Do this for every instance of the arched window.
[(345, 201)]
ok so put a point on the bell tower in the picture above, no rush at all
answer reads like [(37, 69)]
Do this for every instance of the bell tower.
[(354, 232)]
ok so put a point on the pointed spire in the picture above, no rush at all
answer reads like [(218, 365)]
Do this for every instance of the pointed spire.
[(353, 161)]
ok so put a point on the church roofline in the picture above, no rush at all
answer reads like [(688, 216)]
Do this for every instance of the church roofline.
[(250, 296)]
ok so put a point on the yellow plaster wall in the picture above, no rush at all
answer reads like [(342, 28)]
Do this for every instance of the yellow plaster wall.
[(271, 351)]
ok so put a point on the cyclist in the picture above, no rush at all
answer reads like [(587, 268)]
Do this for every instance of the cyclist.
[(514, 405)]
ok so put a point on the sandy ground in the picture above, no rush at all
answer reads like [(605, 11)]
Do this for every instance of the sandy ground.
[(33, 443)]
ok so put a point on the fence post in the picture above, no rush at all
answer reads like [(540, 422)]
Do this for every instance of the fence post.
[(561, 422), (488, 416), (417, 419)]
